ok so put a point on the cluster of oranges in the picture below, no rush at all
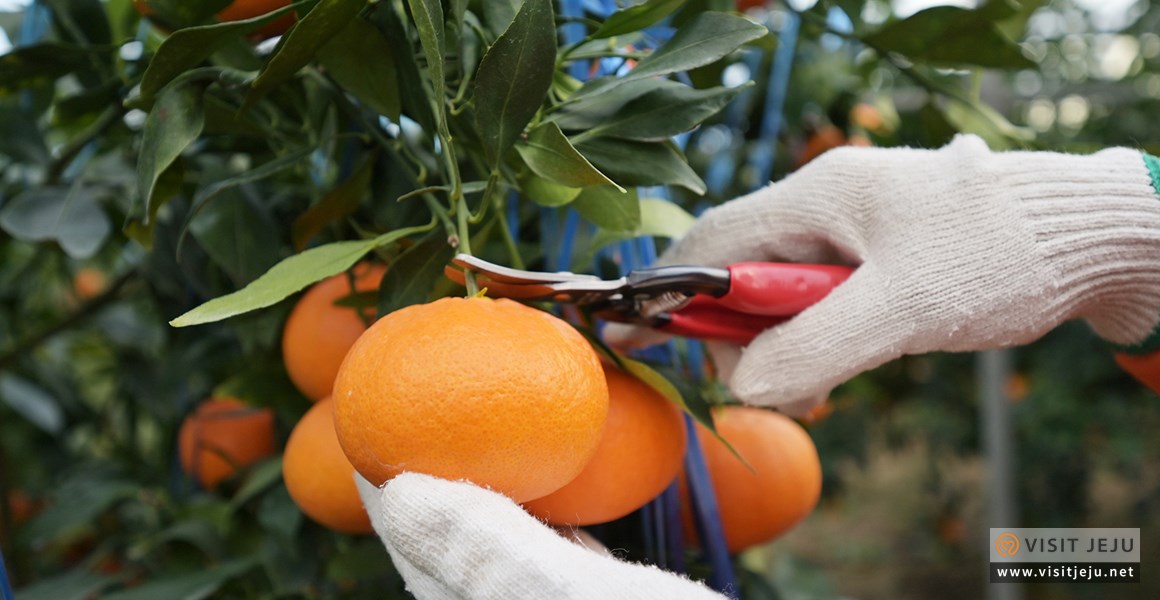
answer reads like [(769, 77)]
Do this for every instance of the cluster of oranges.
[(502, 395)]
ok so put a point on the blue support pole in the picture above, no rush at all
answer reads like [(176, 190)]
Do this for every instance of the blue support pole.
[(765, 150)]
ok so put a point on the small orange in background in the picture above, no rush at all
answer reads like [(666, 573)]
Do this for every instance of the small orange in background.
[(223, 436), (319, 333), (1144, 367), (88, 283), (491, 391), (639, 455), (825, 138), (778, 488), (318, 475), (241, 10)]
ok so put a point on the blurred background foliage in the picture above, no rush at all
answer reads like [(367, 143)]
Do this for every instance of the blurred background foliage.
[(94, 383)]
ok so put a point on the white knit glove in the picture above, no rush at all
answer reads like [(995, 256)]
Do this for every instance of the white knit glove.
[(957, 249), (455, 540)]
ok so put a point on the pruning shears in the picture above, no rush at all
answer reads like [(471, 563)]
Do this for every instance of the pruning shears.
[(732, 304)]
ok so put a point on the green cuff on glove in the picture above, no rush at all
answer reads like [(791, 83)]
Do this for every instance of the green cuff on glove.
[(1152, 342)]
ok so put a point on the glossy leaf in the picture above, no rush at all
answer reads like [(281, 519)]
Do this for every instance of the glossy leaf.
[(239, 235), (413, 274), (609, 207), (641, 163), (683, 396), (428, 16), (637, 17), (302, 42), (708, 38), (550, 155), (32, 402), (188, 47), (340, 202), (667, 109), (951, 36), (69, 216), (288, 277), (197, 585), (73, 585), (658, 218), (361, 60), (514, 77), (41, 64), (545, 192), (175, 122)]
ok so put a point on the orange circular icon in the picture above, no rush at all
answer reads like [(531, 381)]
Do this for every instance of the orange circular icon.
[(1007, 544)]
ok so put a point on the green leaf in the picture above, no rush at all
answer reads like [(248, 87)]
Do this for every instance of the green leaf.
[(987, 123), (193, 586), (299, 45), (69, 216), (189, 47), (658, 218), (707, 38), (289, 276), (545, 192), (239, 235), (685, 399), (428, 16), (261, 477), (550, 155), (76, 504), (952, 36), (340, 202), (609, 207), (414, 273), (278, 514), (635, 18), (22, 140), (361, 60), (514, 77), (209, 192), (73, 585), (498, 14), (41, 64), (641, 163), (174, 123), (32, 402), (667, 109)]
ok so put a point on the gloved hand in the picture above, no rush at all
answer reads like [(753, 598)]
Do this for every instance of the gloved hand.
[(957, 249), (452, 539)]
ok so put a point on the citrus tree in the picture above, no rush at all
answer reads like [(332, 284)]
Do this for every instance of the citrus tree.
[(174, 177)]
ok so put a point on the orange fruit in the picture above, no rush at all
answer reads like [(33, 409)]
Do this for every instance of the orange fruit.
[(782, 488), (744, 5), (319, 333), (222, 436), (241, 10), (1144, 367), (319, 477), (866, 116), (826, 138), (491, 391), (639, 455), (88, 283)]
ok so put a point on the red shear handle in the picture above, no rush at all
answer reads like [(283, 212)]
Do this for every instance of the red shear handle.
[(779, 289), (761, 295)]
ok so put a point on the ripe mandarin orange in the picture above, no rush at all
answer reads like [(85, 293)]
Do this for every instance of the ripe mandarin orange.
[(318, 475), (1144, 367), (826, 138), (221, 436), (781, 489), (241, 10), (88, 283), (639, 455), (319, 333), (491, 391)]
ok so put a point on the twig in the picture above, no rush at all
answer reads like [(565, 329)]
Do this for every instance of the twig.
[(86, 310)]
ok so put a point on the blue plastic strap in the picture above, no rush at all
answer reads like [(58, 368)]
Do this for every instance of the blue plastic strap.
[(765, 151), (706, 515), (5, 584)]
